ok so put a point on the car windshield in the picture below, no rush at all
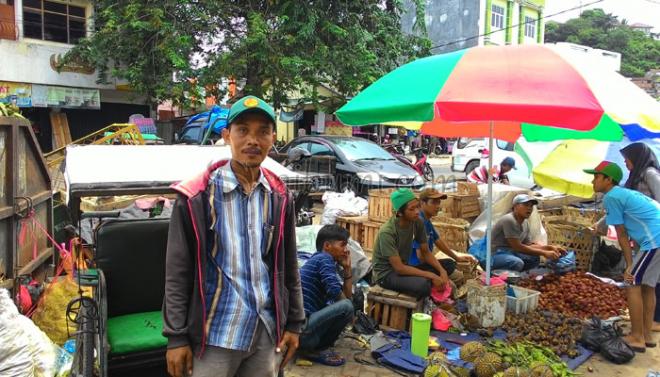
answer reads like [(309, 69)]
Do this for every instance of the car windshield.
[(356, 149), (192, 133)]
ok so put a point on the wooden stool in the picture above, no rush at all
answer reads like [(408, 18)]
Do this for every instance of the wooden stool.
[(392, 310)]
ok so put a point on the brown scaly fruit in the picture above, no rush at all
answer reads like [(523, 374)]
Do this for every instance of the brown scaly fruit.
[(539, 369), (487, 365), (470, 351), (516, 372)]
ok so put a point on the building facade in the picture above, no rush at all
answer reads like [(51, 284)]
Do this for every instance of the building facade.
[(34, 35), (457, 24)]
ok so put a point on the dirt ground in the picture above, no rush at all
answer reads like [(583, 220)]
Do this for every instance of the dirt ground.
[(353, 351)]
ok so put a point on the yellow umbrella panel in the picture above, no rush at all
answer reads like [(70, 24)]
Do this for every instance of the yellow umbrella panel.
[(562, 169)]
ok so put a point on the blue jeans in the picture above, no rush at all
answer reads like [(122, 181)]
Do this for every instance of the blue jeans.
[(507, 259), (324, 326)]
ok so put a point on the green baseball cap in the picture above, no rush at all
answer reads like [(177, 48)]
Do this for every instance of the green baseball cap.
[(609, 169), (250, 103), (400, 197)]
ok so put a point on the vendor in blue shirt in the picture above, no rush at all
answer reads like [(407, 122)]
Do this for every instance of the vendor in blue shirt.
[(430, 200), (636, 217), (326, 295)]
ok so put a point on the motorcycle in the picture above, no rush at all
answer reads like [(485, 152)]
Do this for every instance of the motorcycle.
[(421, 164)]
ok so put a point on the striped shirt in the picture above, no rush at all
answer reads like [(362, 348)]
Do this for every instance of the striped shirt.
[(480, 175), (238, 289), (320, 282)]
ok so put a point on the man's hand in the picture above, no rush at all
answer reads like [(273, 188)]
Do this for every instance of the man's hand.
[(290, 341), (560, 249), (466, 258), (551, 254), (439, 281), (179, 361), (627, 275), (346, 263)]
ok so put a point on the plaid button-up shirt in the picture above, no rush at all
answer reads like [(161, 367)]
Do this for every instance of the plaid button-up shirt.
[(238, 290)]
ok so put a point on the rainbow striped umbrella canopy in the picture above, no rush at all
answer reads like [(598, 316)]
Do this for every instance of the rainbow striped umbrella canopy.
[(538, 91)]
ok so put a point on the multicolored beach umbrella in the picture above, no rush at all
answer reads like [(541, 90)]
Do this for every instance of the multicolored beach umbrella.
[(523, 89)]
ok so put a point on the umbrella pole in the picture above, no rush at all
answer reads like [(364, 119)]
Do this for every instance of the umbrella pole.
[(489, 205)]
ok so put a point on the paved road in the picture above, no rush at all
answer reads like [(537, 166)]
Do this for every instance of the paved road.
[(442, 170)]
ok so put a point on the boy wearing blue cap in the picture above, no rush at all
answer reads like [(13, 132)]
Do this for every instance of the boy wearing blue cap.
[(636, 217), (394, 245)]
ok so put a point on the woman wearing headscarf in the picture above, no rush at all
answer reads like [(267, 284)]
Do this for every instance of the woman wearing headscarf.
[(645, 178), (644, 170)]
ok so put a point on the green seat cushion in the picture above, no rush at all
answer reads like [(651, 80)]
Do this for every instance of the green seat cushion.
[(137, 332)]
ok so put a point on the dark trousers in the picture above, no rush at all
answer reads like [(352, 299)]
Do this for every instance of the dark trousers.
[(324, 326), (414, 285)]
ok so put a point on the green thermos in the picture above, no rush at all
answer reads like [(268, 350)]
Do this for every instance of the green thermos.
[(421, 329)]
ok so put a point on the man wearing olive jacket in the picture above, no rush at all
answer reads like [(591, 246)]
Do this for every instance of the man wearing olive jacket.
[(233, 297)]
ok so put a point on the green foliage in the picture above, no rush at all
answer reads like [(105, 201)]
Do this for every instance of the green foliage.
[(272, 48), (595, 28)]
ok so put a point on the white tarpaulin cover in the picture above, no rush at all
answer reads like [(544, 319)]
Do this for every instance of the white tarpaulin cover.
[(105, 166)]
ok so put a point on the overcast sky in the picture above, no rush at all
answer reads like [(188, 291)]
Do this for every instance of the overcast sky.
[(644, 11)]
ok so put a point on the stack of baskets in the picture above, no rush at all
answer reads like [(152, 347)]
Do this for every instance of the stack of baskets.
[(570, 230)]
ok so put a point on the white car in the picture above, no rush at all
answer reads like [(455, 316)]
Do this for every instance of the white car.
[(469, 153), (466, 153), (535, 152)]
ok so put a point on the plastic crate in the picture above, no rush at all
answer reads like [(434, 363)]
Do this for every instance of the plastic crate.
[(526, 300)]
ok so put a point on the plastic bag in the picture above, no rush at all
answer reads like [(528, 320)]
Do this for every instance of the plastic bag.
[(478, 250), (364, 324), (596, 333), (50, 315), (616, 350), (564, 264), (342, 204), (25, 351)]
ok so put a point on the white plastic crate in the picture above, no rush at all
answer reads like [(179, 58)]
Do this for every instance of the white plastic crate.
[(525, 301)]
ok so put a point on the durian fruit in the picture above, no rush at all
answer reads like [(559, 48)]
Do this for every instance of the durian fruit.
[(471, 351), (539, 369), (435, 370), (516, 372), (487, 365), (460, 371)]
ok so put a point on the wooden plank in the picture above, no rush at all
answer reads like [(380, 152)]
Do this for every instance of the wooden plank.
[(386, 315), (398, 318), (377, 308), (60, 127), (389, 293), (395, 302), (35, 263)]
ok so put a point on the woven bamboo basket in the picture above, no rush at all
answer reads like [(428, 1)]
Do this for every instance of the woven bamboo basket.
[(587, 217), (571, 235), (453, 231)]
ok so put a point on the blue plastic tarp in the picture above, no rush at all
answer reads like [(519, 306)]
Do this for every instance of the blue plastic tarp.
[(216, 117)]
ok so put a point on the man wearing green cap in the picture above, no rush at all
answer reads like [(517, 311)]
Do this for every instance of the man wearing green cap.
[(394, 244), (636, 217), (232, 289)]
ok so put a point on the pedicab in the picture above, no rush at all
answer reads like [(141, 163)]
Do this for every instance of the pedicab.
[(123, 261)]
